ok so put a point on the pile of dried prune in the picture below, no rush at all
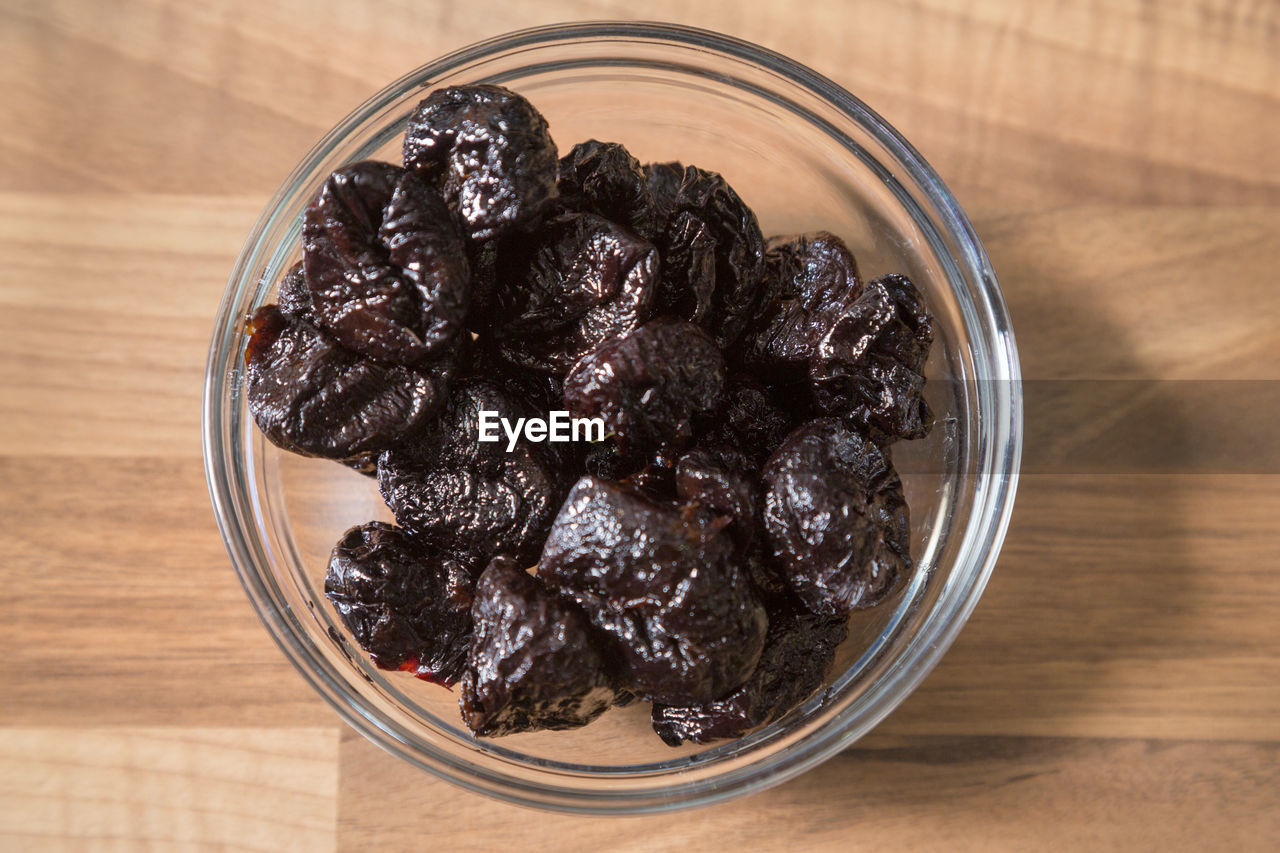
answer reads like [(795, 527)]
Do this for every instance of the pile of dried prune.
[(633, 449)]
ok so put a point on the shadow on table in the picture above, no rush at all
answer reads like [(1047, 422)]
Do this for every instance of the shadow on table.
[(1096, 567)]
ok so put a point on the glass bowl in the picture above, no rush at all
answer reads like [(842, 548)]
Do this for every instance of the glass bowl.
[(805, 154)]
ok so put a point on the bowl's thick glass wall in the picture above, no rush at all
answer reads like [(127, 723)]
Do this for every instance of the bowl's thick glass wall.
[(806, 155)]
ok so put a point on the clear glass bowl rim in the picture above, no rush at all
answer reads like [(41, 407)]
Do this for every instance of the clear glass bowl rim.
[(998, 455)]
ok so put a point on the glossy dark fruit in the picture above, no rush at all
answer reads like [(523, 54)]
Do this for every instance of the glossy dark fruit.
[(810, 281), (702, 554), (604, 460), (409, 607), (472, 498), (751, 423), (310, 395), (653, 482), (651, 386), (294, 301), (798, 651), (579, 282), (662, 586), (870, 365), (765, 574), (718, 483), (603, 178), (482, 257), (294, 297), (708, 217), (533, 661), (544, 392), (385, 264), (688, 270), (663, 181), (719, 479), (836, 518), (541, 391), (688, 246), (489, 152), (535, 394)]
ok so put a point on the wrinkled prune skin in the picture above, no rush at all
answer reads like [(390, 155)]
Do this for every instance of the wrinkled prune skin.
[(651, 386), (751, 424), (798, 651), (603, 178), (543, 392), (810, 281), (717, 482), (409, 607), (310, 395), (653, 482), (662, 586), (482, 257), (533, 662), (474, 498), (709, 227), (718, 478), (870, 364), (385, 264), (664, 181), (294, 297), (689, 270), (579, 282), (604, 460), (535, 393), (836, 518), (490, 153), (766, 577)]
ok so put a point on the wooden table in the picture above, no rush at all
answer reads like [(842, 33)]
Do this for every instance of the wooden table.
[(1119, 684)]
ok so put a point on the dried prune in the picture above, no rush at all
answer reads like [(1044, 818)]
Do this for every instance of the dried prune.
[(581, 281), (409, 607), (474, 498), (663, 181), (688, 248), (650, 386), (688, 270), (741, 501), (385, 264), (762, 570), (654, 482), (483, 260), (294, 297), (490, 153), (533, 662), (836, 518), (870, 365), (751, 423), (606, 461), (709, 227), (662, 585), (544, 392), (810, 281), (716, 482), (310, 395), (798, 651), (603, 178), (717, 478)]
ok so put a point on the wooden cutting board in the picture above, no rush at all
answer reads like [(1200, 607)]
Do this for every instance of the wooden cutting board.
[(1118, 686)]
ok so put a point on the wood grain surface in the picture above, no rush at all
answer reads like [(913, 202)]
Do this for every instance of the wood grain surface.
[(1118, 686)]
